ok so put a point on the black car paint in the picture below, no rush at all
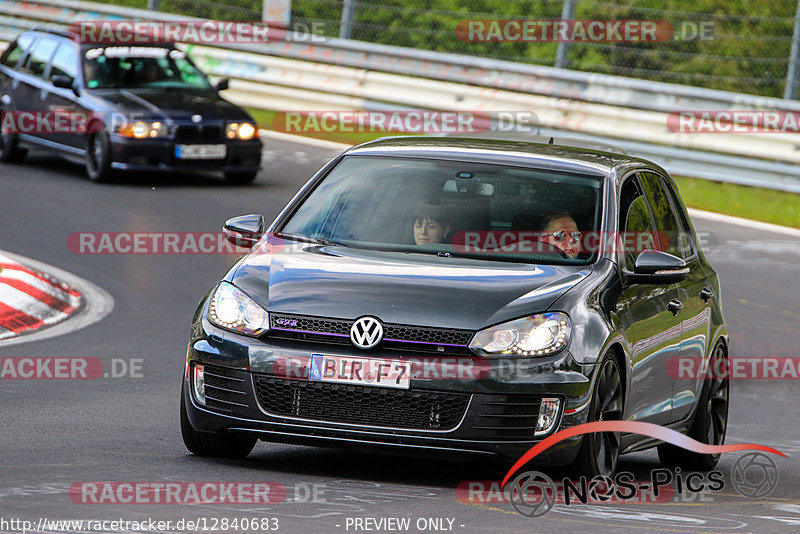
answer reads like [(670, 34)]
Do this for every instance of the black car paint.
[(602, 308)]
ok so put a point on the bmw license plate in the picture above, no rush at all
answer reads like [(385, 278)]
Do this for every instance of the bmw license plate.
[(201, 151), (362, 371)]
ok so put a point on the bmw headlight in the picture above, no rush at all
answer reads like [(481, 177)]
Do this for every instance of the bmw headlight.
[(535, 335), (240, 130), (231, 309), (143, 129)]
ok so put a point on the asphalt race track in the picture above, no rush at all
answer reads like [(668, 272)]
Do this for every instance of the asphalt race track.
[(57, 433)]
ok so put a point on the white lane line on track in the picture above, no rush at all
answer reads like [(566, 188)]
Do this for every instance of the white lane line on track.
[(755, 225), (303, 140), (99, 303)]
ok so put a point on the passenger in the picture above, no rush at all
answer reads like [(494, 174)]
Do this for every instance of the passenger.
[(561, 231), (430, 225)]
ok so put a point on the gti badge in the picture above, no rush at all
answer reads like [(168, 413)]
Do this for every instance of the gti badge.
[(366, 332)]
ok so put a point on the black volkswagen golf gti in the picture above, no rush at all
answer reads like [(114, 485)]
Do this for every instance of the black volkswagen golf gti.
[(472, 296), (140, 107)]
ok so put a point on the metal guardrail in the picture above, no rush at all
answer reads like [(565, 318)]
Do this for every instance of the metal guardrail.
[(345, 74)]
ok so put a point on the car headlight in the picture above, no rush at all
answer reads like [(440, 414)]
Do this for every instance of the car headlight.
[(231, 309), (143, 129), (536, 335), (240, 130)]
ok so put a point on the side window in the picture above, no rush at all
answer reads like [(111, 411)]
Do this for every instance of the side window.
[(672, 240), (16, 51), (40, 56), (635, 221), (686, 233), (65, 61)]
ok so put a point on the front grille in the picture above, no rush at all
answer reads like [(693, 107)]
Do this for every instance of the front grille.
[(363, 405), (224, 388), (195, 132), (508, 416), (300, 327)]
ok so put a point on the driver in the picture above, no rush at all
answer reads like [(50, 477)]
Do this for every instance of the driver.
[(561, 231), (430, 225)]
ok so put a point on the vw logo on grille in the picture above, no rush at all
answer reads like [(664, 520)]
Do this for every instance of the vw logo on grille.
[(366, 332), (197, 118)]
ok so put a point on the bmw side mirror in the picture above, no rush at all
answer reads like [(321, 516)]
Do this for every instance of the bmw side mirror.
[(65, 82), (245, 230), (223, 84), (655, 267)]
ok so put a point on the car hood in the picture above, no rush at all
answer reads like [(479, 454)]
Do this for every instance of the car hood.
[(171, 103), (417, 289)]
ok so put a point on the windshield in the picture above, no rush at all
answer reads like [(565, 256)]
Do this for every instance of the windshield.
[(140, 66), (451, 208)]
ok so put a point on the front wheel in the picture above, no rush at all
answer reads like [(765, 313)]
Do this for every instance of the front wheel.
[(98, 156), (9, 151), (599, 451), (240, 177), (710, 421), (214, 445)]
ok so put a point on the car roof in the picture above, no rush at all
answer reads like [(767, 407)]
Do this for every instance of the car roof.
[(513, 152), (51, 32)]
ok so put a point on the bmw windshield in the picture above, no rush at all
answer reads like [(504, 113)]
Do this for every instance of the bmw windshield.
[(140, 67), (450, 208)]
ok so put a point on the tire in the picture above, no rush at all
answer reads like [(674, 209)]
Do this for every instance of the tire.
[(213, 445), (98, 156), (9, 151), (240, 177), (710, 422), (599, 451)]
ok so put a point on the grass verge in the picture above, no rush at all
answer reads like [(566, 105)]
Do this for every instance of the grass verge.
[(756, 203)]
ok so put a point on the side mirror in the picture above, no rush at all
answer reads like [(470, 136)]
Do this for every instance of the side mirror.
[(64, 82), (245, 230), (223, 84), (654, 267)]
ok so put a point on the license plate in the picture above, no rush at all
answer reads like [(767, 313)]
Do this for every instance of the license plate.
[(201, 151), (362, 371)]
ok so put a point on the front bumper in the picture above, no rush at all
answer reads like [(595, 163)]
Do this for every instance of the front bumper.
[(159, 155), (495, 402)]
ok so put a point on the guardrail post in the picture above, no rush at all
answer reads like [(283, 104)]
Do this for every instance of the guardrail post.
[(153, 5), (562, 61), (348, 14), (790, 93)]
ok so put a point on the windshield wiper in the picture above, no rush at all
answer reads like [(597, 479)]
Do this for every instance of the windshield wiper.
[(306, 239)]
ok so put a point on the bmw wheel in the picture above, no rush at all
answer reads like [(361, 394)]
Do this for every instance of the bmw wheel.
[(9, 151), (98, 156)]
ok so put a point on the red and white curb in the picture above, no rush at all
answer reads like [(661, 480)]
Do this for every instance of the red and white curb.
[(31, 299)]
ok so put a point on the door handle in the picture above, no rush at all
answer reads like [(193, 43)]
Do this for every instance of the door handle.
[(707, 293), (675, 306)]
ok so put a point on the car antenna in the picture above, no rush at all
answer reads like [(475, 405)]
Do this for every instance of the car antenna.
[(550, 142)]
